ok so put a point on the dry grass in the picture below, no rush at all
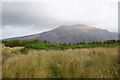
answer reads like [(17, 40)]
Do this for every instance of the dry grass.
[(78, 63), (14, 48)]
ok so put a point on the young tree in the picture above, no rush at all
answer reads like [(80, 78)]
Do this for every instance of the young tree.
[(89, 43), (45, 41), (64, 44), (69, 44), (60, 44), (100, 42), (108, 41), (23, 43), (16, 43), (80, 42), (74, 44), (10, 44), (3, 41), (118, 41), (93, 42), (83, 41), (48, 42), (104, 42), (77, 43), (113, 41)]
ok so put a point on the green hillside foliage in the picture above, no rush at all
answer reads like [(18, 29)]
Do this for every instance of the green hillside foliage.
[(39, 45), (43, 46), (17, 43)]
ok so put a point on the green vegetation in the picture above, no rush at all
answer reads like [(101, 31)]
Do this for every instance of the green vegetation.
[(46, 46), (36, 44), (15, 51), (17, 43)]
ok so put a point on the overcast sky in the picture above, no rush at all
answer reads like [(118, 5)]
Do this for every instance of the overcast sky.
[(25, 18)]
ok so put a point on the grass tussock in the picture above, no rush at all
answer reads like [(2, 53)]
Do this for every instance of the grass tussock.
[(78, 63)]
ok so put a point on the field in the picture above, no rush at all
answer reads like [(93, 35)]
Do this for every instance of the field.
[(97, 62)]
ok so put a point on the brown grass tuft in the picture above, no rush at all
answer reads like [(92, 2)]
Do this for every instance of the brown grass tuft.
[(78, 63)]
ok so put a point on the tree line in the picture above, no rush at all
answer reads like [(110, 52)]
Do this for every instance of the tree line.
[(15, 43)]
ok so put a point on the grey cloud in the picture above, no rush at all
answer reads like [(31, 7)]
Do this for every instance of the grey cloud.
[(41, 16), (23, 14)]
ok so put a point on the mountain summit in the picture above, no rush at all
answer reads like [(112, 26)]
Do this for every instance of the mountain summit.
[(72, 34)]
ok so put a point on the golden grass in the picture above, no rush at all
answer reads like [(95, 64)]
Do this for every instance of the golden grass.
[(15, 48), (78, 63)]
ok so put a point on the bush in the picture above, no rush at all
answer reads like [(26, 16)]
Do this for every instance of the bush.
[(23, 51), (15, 51), (35, 44)]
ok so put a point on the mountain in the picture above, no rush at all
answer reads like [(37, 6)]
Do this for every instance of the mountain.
[(72, 34)]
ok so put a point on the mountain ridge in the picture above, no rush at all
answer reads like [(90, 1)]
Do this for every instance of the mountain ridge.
[(71, 34)]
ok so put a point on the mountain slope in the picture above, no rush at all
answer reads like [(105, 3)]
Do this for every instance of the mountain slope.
[(72, 34)]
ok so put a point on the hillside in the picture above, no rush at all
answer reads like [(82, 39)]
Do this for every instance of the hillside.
[(72, 34)]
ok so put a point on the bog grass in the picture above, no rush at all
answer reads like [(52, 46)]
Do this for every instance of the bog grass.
[(78, 63)]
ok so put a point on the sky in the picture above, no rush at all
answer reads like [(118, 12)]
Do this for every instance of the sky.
[(26, 17)]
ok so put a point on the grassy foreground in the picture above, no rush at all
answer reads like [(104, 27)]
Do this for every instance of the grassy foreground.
[(77, 63)]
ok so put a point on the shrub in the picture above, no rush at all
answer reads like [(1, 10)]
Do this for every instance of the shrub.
[(23, 51)]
